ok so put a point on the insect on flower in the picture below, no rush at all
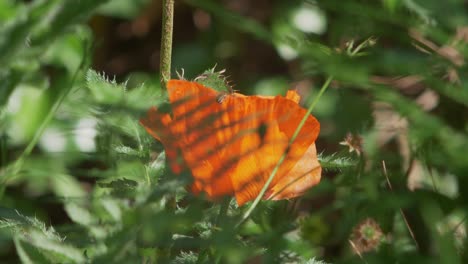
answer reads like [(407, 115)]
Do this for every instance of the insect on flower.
[(230, 142)]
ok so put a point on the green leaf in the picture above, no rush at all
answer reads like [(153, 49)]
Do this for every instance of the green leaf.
[(335, 162), (10, 81), (103, 90), (128, 151), (119, 184), (57, 250), (215, 80), (35, 233), (39, 23), (27, 253), (79, 214)]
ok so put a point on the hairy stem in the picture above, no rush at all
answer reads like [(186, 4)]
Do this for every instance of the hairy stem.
[(166, 41)]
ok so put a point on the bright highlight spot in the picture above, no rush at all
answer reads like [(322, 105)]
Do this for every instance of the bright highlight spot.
[(53, 140), (14, 102), (85, 132), (310, 20), (286, 52)]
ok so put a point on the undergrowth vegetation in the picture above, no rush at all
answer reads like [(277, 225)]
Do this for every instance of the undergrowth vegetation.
[(82, 182)]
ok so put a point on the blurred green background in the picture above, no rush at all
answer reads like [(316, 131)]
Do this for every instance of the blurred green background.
[(82, 182)]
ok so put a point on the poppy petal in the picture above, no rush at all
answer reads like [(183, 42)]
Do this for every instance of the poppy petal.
[(305, 174), (231, 146)]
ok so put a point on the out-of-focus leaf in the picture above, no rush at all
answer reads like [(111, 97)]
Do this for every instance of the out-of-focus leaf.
[(120, 184), (103, 90), (39, 23), (9, 83), (126, 9), (68, 50), (27, 253), (79, 214), (34, 232), (57, 251), (271, 86), (233, 19), (8, 9), (34, 103)]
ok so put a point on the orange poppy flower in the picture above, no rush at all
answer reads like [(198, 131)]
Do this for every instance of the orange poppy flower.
[(231, 142)]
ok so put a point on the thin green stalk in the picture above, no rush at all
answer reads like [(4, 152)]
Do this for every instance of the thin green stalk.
[(12, 170), (283, 157), (16, 167), (166, 41), (165, 66)]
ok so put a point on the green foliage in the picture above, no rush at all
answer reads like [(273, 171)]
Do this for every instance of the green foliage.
[(82, 182), (30, 234), (215, 79)]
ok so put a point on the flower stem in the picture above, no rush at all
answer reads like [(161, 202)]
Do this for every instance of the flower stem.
[(283, 157), (166, 41)]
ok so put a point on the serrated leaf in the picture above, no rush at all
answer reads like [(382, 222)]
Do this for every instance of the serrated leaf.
[(61, 251), (143, 97), (335, 162), (186, 258), (103, 90), (215, 80), (127, 151), (28, 254), (33, 232), (15, 221), (119, 184), (314, 261)]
